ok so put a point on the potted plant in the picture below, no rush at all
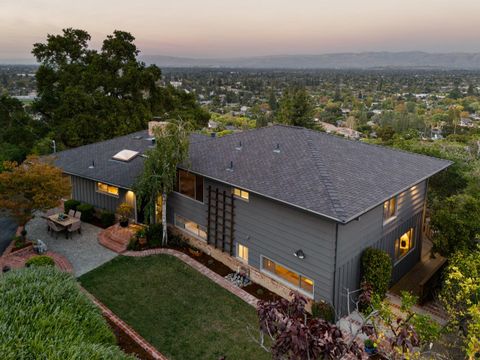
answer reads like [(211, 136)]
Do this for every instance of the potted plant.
[(125, 211), (142, 237), (370, 346)]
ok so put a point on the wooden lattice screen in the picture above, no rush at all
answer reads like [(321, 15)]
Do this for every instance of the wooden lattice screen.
[(220, 221)]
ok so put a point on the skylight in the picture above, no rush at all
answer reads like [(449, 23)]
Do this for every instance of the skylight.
[(125, 155)]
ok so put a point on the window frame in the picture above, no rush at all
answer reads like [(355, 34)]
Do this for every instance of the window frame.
[(413, 239), (239, 196), (286, 282), (395, 212), (195, 186), (196, 235), (100, 191), (238, 253)]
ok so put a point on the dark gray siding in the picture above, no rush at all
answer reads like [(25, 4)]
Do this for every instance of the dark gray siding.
[(274, 230), (369, 231), (85, 190)]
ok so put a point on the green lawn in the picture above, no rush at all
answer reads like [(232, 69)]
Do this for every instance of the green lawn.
[(178, 310)]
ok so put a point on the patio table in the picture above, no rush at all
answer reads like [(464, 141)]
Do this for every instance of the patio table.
[(66, 222)]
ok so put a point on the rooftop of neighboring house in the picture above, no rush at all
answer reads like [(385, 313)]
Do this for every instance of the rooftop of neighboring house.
[(321, 173)]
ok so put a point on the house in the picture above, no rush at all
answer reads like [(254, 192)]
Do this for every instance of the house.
[(294, 208)]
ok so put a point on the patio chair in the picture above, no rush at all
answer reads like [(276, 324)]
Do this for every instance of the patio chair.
[(78, 214), (55, 228), (71, 212), (76, 226)]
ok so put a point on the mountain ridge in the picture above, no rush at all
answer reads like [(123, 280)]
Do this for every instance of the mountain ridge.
[(346, 60)]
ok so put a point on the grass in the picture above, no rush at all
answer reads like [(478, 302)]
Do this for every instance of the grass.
[(178, 310)]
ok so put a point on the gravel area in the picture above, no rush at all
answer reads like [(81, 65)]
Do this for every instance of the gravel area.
[(82, 250)]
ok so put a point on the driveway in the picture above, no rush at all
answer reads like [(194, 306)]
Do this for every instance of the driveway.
[(8, 227), (82, 250)]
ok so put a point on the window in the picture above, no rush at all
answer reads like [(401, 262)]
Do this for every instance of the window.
[(389, 209), (190, 227), (242, 252), (107, 189), (190, 185), (298, 281), (242, 194), (404, 244)]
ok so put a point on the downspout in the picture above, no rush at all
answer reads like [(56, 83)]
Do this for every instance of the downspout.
[(335, 270)]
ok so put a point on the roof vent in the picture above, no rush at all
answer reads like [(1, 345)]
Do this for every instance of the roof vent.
[(239, 146), (92, 165), (277, 149), (231, 166), (125, 155), (137, 137), (152, 140)]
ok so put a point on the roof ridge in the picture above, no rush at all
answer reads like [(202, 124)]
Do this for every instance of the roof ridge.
[(326, 181)]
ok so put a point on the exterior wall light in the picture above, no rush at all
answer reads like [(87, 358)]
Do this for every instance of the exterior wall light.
[(300, 254)]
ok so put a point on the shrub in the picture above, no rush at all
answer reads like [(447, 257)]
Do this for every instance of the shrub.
[(107, 218), (177, 241), (19, 241), (125, 211), (87, 211), (70, 205), (154, 235), (133, 244), (323, 310), (44, 315), (377, 270), (40, 260)]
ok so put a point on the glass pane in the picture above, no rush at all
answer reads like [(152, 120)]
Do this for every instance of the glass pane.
[(306, 284), (199, 188), (187, 183), (269, 265), (287, 275)]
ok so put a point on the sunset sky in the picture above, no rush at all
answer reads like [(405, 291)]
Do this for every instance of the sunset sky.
[(226, 28)]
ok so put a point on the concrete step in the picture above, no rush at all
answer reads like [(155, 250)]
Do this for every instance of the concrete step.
[(106, 241)]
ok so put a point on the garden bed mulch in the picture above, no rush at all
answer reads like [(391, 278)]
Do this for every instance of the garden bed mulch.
[(127, 344)]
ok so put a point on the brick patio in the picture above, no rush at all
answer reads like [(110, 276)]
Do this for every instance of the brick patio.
[(17, 259)]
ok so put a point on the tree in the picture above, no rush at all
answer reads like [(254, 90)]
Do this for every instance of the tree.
[(33, 185), (85, 95), (296, 108), (456, 223), (461, 297), (296, 335), (160, 169)]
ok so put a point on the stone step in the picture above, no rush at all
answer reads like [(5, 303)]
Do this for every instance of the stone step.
[(106, 241)]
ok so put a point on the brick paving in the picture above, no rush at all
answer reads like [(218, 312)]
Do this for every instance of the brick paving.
[(17, 259), (218, 279), (144, 344)]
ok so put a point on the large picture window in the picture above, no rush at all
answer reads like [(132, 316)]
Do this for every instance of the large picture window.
[(389, 209), (404, 244), (298, 281), (191, 227), (107, 189), (190, 185)]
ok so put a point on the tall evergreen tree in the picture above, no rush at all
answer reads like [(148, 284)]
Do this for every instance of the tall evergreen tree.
[(296, 108)]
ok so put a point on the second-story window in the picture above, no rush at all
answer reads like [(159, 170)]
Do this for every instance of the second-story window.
[(190, 185), (389, 209), (242, 194)]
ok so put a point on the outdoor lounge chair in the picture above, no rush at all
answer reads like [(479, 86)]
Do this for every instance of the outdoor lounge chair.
[(55, 228), (71, 212), (78, 214), (76, 226)]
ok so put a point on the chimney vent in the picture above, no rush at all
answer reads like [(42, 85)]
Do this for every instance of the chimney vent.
[(277, 149), (231, 166), (239, 146), (92, 165)]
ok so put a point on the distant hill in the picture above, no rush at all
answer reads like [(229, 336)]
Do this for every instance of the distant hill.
[(364, 60)]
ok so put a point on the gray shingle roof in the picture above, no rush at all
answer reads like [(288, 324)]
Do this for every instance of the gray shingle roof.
[(321, 173)]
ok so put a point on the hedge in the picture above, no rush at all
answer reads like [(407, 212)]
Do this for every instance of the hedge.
[(107, 219), (43, 315), (70, 205), (40, 260), (87, 211), (377, 270)]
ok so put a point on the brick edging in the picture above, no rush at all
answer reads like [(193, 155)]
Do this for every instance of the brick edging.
[(216, 278), (144, 344)]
